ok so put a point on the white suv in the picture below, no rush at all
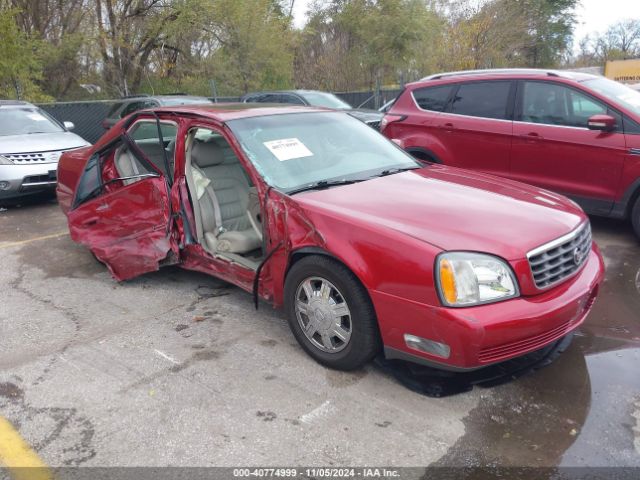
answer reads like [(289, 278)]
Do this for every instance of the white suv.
[(31, 143)]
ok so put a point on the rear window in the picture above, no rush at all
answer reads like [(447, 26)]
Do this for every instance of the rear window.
[(114, 109), (432, 98), (482, 99), (135, 106), (90, 181)]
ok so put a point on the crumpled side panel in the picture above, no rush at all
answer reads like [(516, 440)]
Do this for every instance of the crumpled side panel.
[(127, 228), (286, 223)]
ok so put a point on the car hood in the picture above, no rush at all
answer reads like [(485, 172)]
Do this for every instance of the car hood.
[(40, 142), (453, 209)]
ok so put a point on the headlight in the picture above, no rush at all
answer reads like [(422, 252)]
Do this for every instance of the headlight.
[(466, 279), (5, 161)]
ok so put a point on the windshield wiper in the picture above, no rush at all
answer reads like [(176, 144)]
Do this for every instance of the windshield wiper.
[(391, 171), (322, 184)]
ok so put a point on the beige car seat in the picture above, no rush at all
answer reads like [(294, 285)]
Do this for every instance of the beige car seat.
[(127, 165), (222, 191)]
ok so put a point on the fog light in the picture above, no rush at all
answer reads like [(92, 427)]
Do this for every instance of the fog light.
[(5, 185), (428, 346)]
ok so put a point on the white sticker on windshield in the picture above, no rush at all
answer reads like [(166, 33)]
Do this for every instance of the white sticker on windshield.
[(288, 148), (36, 116)]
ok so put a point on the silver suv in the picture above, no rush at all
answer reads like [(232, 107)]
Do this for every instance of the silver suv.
[(31, 143)]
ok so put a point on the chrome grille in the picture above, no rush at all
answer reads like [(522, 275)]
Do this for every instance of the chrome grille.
[(557, 260), (22, 158)]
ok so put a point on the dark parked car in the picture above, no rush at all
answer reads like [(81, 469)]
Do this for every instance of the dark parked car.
[(311, 210), (133, 103), (315, 98), (573, 133)]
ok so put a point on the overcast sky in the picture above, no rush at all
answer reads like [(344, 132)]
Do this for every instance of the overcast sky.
[(597, 15), (593, 15)]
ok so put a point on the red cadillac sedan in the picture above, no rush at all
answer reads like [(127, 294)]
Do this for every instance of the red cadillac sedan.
[(311, 210)]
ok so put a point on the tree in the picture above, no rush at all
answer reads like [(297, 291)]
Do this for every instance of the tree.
[(353, 43), (129, 32), (488, 35), (619, 42), (251, 45), (61, 27), (548, 31), (20, 62)]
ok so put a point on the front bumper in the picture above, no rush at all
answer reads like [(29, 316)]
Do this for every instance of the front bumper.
[(486, 334), (27, 179)]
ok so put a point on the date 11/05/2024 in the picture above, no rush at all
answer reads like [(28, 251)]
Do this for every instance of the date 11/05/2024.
[(317, 472)]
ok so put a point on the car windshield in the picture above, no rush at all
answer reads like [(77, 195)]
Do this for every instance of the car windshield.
[(292, 151), (617, 92), (24, 121), (320, 99)]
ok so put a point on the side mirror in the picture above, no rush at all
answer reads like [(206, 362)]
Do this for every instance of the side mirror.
[(603, 123), (399, 142), (69, 125)]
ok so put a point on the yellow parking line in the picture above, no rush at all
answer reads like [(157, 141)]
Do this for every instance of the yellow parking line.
[(15, 454), (37, 239)]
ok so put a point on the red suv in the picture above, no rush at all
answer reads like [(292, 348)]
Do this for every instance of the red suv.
[(569, 132)]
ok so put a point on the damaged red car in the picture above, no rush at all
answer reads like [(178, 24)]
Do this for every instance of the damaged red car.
[(367, 250)]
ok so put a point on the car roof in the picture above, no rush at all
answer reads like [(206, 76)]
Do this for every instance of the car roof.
[(507, 72), (142, 96), (223, 112), (180, 97), (298, 92), (15, 103)]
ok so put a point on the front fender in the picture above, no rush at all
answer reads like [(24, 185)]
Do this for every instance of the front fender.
[(383, 259)]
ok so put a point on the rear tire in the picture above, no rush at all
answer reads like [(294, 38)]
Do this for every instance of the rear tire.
[(635, 217), (330, 313)]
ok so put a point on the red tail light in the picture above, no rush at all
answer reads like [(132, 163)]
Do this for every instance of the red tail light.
[(390, 118)]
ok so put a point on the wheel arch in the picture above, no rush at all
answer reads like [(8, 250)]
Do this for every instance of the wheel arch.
[(623, 207), (303, 252), (422, 153), (298, 254), (633, 198)]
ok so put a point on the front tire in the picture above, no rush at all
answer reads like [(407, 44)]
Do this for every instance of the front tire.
[(330, 313)]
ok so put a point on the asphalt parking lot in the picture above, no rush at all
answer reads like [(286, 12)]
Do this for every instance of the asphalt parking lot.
[(182, 366)]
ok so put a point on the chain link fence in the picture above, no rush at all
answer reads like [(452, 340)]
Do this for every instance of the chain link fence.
[(369, 99), (88, 116)]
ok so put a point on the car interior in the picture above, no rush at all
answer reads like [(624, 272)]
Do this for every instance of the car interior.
[(145, 135), (225, 202)]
